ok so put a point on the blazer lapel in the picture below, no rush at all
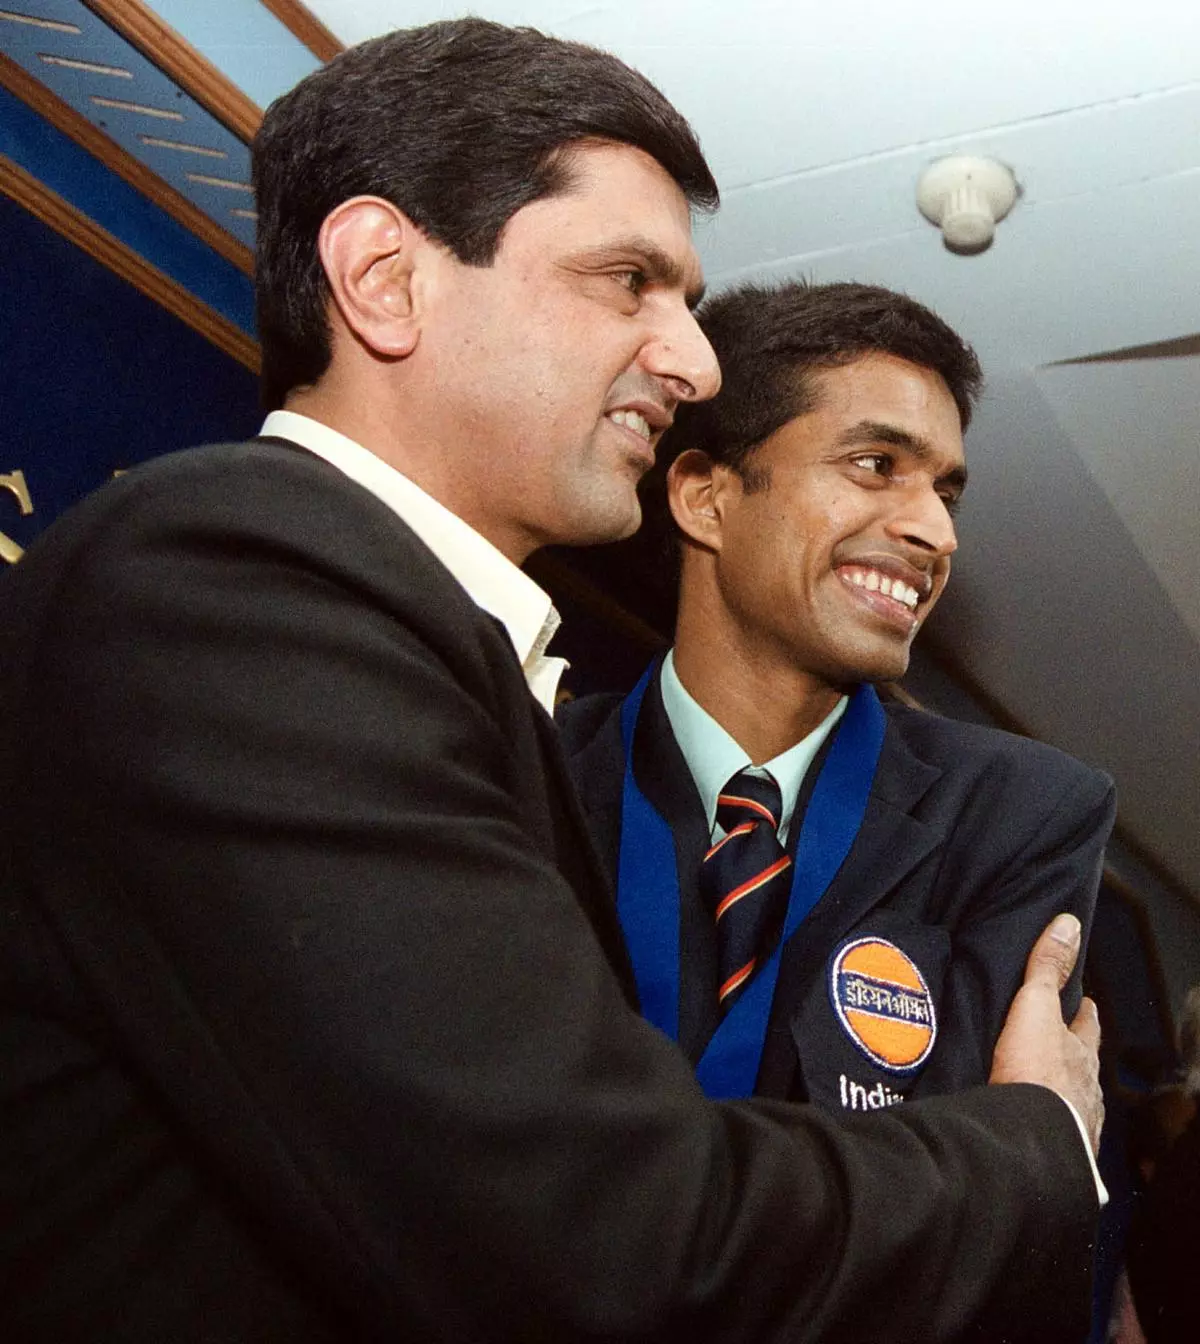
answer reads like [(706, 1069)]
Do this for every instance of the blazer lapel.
[(596, 765), (667, 783), (890, 844)]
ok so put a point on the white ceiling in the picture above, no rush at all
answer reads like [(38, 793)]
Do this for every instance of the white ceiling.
[(819, 119), (1076, 600)]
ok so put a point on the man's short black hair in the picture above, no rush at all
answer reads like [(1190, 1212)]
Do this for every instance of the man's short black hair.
[(771, 341), (459, 124)]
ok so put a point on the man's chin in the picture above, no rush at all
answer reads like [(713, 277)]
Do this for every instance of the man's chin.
[(599, 527), (873, 665), (886, 670)]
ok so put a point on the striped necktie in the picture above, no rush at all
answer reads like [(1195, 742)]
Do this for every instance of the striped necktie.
[(745, 879)]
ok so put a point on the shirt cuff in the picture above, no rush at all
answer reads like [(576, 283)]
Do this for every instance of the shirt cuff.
[(1101, 1192)]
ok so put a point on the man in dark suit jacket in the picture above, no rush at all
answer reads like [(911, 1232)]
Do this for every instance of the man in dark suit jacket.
[(815, 497), (315, 1017)]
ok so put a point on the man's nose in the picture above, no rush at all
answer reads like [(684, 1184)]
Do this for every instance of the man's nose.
[(679, 354), (923, 520)]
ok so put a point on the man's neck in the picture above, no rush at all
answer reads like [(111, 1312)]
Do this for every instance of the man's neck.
[(403, 441), (765, 708)]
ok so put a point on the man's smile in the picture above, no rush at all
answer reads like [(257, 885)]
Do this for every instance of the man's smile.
[(886, 593), (632, 420), (642, 424)]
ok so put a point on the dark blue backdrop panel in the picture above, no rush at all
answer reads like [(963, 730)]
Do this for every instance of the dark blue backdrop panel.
[(94, 376)]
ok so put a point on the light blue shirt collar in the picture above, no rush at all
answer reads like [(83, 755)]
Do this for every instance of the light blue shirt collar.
[(713, 756)]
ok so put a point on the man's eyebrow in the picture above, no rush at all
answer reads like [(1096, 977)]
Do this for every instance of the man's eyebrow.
[(658, 265), (868, 432)]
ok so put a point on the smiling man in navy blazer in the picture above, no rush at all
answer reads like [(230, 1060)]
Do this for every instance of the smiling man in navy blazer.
[(814, 501), (315, 1017)]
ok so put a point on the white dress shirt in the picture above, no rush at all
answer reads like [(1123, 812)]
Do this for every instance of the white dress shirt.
[(490, 578)]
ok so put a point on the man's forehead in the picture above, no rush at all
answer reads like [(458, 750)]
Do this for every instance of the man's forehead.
[(878, 379), (878, 400), (605, 164), (613, 193)]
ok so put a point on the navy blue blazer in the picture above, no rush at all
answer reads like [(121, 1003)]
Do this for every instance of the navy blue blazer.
[(897, 984)]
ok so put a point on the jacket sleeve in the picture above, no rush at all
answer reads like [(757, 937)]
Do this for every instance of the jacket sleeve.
[(296, 854), (1046, 831)]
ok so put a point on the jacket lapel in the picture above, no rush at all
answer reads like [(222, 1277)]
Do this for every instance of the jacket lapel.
[(890, 844), (596, 767)]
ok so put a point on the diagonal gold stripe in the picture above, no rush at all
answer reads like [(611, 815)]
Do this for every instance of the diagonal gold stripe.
[(176, 58), (736, 800), (736, 979), (301, 22), (744, 829), (76, 127), (752, 884), (86, 234)]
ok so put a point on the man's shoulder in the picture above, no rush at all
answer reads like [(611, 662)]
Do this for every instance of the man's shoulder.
[(246, 511), (257, 477), (258, 489), (960, 748), (250, 471)]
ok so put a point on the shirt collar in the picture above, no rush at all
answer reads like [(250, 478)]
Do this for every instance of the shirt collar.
[(713, 756), (490, 578)]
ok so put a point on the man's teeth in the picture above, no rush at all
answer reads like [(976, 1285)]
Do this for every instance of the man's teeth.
[(875, 582), (632, 420)]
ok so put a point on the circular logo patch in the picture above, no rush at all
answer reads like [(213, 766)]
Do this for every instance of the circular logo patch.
[(883, 1003)]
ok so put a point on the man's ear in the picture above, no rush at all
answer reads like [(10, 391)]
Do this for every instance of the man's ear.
[(370, 250), (696, 489)]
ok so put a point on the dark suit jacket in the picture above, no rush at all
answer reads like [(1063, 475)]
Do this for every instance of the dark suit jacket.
[(972, 841), (314, 1015)]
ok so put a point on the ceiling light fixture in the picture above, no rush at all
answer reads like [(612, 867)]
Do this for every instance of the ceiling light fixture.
[(965, 196)]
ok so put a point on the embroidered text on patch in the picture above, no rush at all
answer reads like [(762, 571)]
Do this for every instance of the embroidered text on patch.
[(883, 1003)]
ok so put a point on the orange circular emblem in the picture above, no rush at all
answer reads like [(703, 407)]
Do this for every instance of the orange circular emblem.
[(883, 1002)]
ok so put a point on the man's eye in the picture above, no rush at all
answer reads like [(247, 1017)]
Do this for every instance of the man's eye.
[(632, 280), (879, 464), (952, 503)]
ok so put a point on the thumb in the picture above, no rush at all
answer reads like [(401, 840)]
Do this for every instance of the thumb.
[(1054, 954)]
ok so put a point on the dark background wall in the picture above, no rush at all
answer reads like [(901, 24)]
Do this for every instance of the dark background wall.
[(94, 376)]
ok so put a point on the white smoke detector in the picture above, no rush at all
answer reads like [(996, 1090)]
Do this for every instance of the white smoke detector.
[(965, 196)]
